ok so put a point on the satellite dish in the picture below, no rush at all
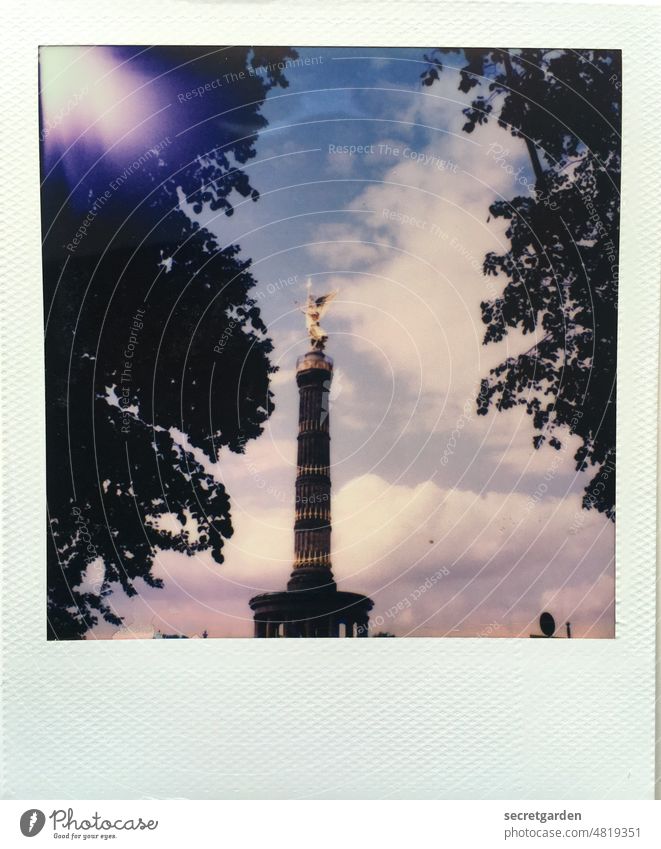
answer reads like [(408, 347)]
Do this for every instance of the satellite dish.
[(547, 624)]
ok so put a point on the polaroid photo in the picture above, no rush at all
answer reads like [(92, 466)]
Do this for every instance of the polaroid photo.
[(331, 329)]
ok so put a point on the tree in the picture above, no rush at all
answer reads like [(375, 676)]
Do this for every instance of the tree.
[(156, 355), (562, 264)]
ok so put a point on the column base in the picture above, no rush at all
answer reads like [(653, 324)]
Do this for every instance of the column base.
[(318, 612)]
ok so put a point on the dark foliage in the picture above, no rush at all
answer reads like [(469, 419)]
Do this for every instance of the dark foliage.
[(562, 264), (137, 397)]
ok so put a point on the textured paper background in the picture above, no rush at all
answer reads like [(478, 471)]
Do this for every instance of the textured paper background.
[(348, 718)]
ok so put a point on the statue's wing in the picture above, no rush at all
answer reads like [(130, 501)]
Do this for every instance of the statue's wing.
[(324, 301)]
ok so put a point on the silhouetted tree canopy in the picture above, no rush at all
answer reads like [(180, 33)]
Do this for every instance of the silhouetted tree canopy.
[(561, 268), (156, 355)]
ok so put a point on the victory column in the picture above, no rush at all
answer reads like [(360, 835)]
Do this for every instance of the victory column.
[(312, 605)]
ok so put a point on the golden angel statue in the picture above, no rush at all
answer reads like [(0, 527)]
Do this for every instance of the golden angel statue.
[(314, 310)]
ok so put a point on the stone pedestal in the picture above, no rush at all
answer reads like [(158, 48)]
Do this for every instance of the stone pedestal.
[(311, 613)]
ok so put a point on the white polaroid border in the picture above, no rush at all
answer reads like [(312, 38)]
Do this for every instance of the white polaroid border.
[(413, 718)]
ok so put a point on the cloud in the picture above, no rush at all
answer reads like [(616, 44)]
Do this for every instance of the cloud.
[(412, 302), (497, 559), (436, 562)]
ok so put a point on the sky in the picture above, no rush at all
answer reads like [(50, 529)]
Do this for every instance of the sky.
[(452, 523)]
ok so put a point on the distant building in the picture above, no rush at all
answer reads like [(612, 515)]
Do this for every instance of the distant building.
[(150, 633)]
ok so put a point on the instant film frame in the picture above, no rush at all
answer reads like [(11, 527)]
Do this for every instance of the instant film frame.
[(418, 718)]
